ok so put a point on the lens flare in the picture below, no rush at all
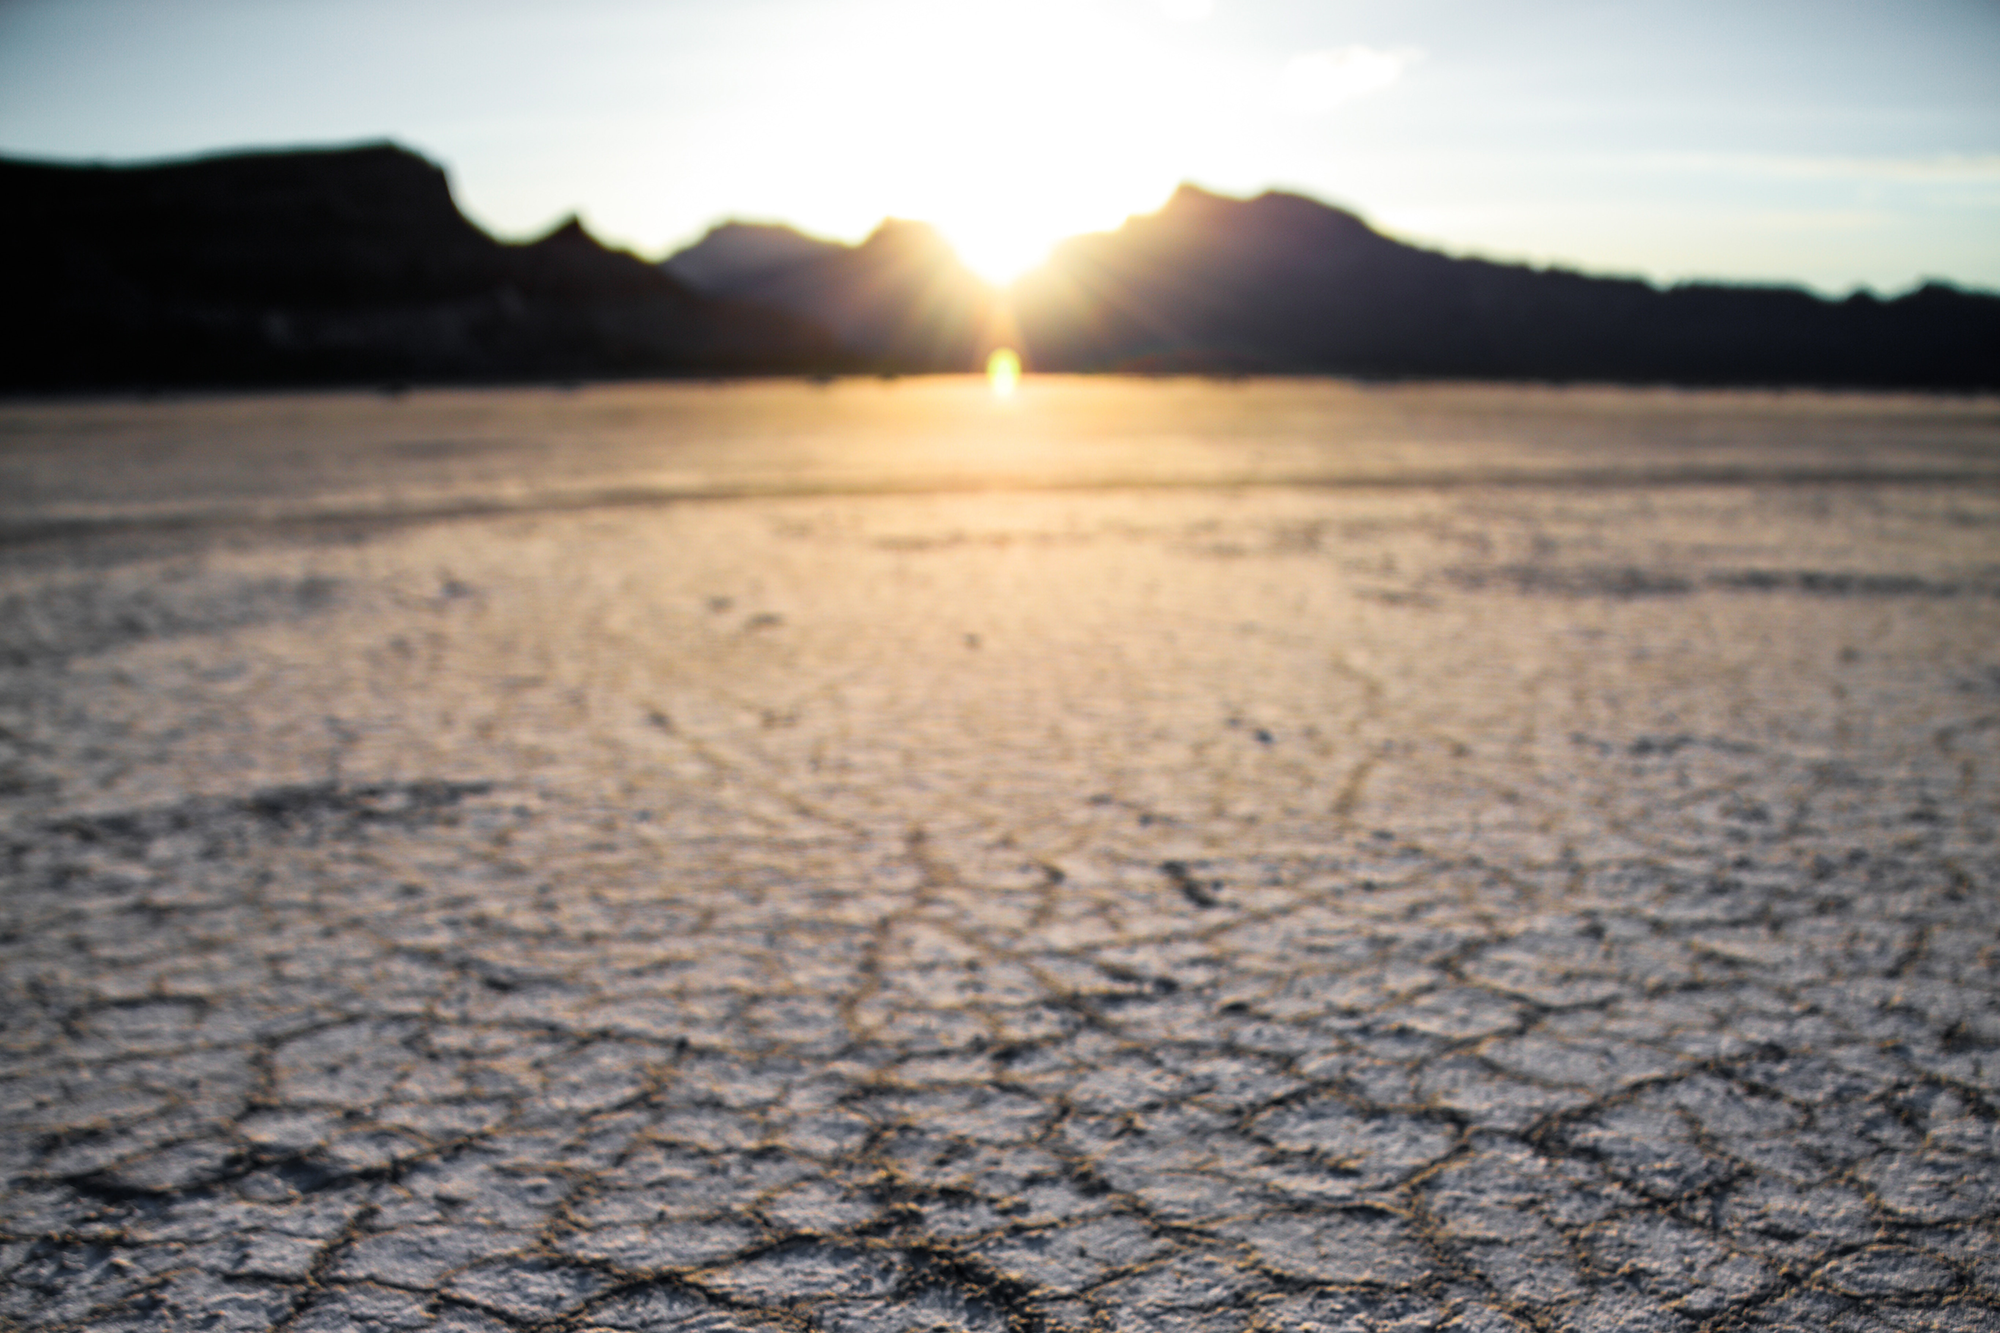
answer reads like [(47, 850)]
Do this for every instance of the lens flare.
[(1003, 371)]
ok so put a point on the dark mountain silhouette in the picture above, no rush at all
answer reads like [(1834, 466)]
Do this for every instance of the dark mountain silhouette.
[(736, 252), (353, 266), (337, 265), (900, 300), (1282, 283)]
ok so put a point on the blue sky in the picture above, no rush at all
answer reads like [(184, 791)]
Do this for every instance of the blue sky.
[(1833, 143)]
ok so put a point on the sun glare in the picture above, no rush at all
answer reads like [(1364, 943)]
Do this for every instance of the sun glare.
[(1003, 371), (996, 251), (995, 133), (1000, 238)]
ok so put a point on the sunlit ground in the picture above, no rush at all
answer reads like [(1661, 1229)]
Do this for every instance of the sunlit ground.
[(1256, 857), (360, 452)]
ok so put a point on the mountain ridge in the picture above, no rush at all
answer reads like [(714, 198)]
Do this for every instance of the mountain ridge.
[(336, 265), (1290, 284), (353, 264), (733, 251), (1282, 283)]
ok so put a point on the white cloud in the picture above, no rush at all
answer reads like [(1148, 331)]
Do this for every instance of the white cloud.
[(1321, 80)]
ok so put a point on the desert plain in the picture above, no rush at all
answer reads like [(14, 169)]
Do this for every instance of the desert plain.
[(1136, 854)]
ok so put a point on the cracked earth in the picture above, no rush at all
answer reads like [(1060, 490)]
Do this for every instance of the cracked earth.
[(1201, 907)]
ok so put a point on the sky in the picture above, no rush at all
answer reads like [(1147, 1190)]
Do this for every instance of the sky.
[(1829, 143)]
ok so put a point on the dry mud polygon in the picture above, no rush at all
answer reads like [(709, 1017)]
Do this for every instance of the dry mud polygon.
[(1471, 905)]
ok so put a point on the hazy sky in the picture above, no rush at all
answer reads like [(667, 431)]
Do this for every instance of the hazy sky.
[(1820, 141)]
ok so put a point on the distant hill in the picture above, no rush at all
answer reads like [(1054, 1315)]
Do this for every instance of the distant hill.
[(329, 266), (900, 300), (733, 253), (353, 265), (1282, 283)]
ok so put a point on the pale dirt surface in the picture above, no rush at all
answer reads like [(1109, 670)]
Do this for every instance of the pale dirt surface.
[(1534, 870)]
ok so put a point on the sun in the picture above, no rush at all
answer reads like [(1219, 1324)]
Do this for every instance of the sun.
[(998, 248), (1008, 130), (1001, 236)]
